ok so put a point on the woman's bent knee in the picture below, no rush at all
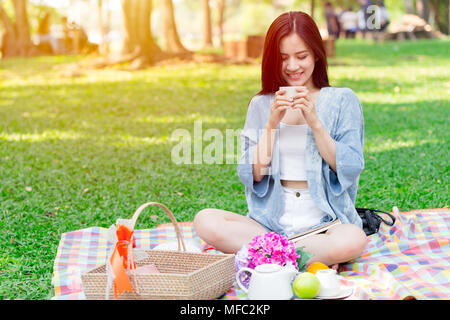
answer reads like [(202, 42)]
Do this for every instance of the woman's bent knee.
[(205, 225), (201, 220), (352, 246), (201, 217)]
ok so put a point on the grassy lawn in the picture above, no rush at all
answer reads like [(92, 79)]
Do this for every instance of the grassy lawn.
[(77, 152)]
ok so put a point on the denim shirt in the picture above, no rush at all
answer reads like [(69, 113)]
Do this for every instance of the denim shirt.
[(340, 112)]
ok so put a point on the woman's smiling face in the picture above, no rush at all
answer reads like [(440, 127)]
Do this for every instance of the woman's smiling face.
[(298, 61)]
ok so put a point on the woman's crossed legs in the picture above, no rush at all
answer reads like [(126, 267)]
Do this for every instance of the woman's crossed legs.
[(228, 232)]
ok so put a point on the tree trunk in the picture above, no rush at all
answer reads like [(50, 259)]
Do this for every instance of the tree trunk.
[(409, 6), (221, 20), (440, 9), (312, 8), (103, 46), (138, 46), (9, 49), (422, 9), (207, 27), (22, 28), (138, 40), (16, 39), (172, 42)]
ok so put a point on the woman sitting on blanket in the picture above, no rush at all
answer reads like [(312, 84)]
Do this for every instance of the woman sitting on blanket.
[(301, 157)]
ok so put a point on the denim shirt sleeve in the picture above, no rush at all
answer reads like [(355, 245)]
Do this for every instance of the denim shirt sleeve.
[(254, 124), (349, 138)]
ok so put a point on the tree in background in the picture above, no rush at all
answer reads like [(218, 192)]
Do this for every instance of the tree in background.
[(212, 13), (207, 25), (441, 14), (103, 48), (221, 7), (16, 38), (426, 9), (139, 47), (172, 42), (138, 44), (422, 9)]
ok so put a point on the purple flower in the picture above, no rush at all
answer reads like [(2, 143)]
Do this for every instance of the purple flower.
[(241, 261)]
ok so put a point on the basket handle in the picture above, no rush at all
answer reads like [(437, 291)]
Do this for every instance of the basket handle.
[(171, 216)]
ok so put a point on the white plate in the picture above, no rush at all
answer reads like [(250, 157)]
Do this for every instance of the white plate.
[(345, 292)]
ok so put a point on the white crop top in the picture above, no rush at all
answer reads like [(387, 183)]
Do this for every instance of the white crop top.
[(292, 145)]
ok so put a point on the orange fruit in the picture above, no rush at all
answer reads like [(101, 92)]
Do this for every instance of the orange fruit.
[(316, 266)]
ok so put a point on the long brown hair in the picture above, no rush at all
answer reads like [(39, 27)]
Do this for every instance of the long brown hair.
[(306, 28)]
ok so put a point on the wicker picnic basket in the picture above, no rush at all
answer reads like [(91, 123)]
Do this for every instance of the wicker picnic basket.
[(183, 275)]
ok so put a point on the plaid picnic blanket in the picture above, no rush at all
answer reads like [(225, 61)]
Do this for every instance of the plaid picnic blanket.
[(409, 260)]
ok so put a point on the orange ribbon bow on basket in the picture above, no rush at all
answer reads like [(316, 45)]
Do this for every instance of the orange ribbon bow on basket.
[(121, 260)]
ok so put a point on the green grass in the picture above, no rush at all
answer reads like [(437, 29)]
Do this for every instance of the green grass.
[(81, 152)]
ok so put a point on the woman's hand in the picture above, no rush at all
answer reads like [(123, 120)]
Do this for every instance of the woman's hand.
[(303, 102), (278, 109)]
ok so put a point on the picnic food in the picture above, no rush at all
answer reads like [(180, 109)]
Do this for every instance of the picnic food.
[(316, 266), (306, 285)]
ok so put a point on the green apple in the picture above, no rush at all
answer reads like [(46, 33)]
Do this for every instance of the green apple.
[(306, 285)]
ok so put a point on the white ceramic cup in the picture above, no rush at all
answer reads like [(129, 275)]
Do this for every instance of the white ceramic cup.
[(329, 283), (291, 91)]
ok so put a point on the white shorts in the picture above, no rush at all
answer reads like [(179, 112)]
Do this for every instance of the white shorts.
[(300, 211)]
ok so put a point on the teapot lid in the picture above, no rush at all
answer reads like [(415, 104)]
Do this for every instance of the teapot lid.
[(268, 267)]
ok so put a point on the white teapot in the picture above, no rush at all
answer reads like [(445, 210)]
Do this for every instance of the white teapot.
[(269, 282)]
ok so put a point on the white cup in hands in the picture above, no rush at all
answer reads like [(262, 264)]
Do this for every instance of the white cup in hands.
[(329, 283), (291, 92)]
